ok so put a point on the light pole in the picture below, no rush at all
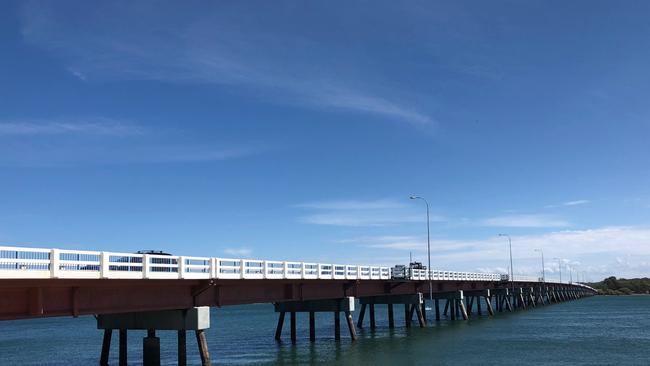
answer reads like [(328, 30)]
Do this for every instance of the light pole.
[(543, 269), (428, 246), (559, 265), (512, 276)]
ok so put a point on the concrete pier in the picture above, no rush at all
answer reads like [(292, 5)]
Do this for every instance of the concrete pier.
[(412, 304), (197, 319), (335, 306), (454, 305), (476, 297)]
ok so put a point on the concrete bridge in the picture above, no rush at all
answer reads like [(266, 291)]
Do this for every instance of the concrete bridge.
[(161, 292)]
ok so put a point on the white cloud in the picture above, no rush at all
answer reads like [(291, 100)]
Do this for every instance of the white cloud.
[(531, 221), (569, 203), (363, 218), (77, 126), (601, 252), (351, 205), (127, 41), (575, 203), (100, 140), (355, 213), (238, 252)]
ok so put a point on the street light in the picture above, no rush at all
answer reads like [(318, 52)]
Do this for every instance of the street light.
[(543, 269), (428, 246), (559, 265), (512, 276)]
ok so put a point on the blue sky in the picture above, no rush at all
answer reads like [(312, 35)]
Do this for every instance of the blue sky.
[(292, 130)]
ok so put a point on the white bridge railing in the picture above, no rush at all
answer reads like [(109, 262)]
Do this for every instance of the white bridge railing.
[(18, 262)]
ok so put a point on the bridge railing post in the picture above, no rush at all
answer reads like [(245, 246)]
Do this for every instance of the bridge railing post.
[(181, 267), (104, 264), (146, 266), (55, 263), (214, 267)]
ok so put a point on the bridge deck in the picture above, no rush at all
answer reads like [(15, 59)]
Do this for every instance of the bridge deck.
[(51, 282)]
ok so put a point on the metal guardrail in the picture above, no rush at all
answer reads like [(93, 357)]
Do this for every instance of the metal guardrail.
[(19, 262)]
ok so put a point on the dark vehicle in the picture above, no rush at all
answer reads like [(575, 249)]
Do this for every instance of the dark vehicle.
[(399, 272), (402, 272), (155, 252)]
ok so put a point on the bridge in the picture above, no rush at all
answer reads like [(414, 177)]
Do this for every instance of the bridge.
[(152, 292)]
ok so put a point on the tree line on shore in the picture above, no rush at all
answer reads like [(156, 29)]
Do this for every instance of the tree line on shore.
[(622, 286)]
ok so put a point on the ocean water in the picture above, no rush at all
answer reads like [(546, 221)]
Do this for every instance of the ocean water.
[(592, 331)]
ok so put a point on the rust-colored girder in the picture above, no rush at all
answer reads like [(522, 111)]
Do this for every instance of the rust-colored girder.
[(33, 298)]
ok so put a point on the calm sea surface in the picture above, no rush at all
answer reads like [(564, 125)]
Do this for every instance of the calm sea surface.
[(594, 331)]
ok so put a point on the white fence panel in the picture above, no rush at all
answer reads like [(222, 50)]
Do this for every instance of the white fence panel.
[(228, 268), (273, 269), (195, 267), (339, 272), (76, 263), (384, 273), (293, 270), (252, 269), (310, 271), (161, 266), (25, 262), (325, 271), (122, 266), (351, 272)]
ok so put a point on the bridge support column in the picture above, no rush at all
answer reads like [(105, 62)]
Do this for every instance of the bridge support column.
[(476, 296), (527, 295), (412, 305), (336, 306), (151, 349), (182, 348), (106, 347), (502, 298), (197, 319), (203, 347), (454, 304), (488, 303), (312, 326), (123, 348)]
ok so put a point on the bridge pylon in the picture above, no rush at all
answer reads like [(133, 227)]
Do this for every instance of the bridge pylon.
[(196, 319)]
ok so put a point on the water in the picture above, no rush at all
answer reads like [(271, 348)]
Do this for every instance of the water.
[(592, 331)]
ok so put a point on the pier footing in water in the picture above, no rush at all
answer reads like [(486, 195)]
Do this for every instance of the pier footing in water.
[(412, 304), (196, 319), (335, 306)]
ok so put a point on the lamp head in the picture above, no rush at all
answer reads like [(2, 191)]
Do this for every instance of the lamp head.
[(414, 197)]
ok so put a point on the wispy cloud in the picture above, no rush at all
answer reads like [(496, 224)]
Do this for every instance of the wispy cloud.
[(575, 203), (355, 213), (569, 203), (360, 219), (530, 221), (101, 140), (238, 252), (119, 43), (79, 126), (351, 204)]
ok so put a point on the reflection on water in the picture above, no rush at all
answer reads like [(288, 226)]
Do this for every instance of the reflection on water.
[(598, 330)]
